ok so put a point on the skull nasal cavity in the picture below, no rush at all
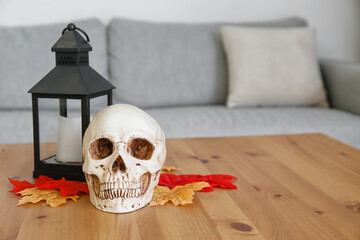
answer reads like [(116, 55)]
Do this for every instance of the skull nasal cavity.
[(118, 165)]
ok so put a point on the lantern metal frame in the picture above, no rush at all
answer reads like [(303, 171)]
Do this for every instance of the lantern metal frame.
[(71, 78)]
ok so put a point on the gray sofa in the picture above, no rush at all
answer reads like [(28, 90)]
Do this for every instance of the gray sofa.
[(175, 72)]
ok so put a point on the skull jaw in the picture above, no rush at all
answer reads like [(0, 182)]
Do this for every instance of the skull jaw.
[(119, 204)]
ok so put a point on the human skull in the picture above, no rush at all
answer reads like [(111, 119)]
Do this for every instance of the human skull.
[(123, 150)]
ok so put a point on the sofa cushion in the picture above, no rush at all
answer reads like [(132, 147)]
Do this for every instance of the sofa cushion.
[(209, 121), (169, 64), (26, 57), (272, 67)]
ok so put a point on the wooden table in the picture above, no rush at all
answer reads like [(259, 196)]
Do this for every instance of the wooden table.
[(289, 187)]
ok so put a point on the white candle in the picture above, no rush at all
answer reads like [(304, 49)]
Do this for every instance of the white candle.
[(69, 140)]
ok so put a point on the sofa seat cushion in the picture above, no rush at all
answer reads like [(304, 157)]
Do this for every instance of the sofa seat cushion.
[(216, 121), (209, 121)]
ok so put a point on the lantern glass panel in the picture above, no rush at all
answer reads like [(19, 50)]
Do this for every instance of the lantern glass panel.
[(60, 136), (48, 134), (96, 104), (73, 108)]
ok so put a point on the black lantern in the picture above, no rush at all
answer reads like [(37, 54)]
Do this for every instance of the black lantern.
[(71, 78)]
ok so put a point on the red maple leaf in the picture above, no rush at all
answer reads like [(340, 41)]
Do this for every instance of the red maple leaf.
[(215, 180), (20, 185), (65, 187), (42, 180)]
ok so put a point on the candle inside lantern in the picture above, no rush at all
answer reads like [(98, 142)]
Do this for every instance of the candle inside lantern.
[(69, 140)]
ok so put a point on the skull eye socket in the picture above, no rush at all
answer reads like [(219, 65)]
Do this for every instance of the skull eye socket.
[(140, 148), (101, 148)]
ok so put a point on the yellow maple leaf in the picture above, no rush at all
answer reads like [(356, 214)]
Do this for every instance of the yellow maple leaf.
[(52, 197), (169, 169), (178, 195)]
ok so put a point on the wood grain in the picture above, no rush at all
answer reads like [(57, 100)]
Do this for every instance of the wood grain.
[(289, 187)]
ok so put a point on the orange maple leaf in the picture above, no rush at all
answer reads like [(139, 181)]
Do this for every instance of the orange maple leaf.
[(169, 169), (52, 197), (178, 195)]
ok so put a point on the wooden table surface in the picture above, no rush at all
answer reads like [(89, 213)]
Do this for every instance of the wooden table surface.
[(289, 187)]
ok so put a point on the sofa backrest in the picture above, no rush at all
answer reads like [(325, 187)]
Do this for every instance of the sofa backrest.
[(171, 64), (26, 57), (151, 64)]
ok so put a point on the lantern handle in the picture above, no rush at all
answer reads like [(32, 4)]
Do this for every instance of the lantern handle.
[(72, 27)]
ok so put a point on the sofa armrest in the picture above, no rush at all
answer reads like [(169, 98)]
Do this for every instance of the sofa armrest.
[(342, 82)]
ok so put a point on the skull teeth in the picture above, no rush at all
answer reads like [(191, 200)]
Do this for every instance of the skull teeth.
[(120, 189), (123, 193), (116, 185)]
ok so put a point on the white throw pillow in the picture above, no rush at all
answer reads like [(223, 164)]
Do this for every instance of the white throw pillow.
[(272, 67)]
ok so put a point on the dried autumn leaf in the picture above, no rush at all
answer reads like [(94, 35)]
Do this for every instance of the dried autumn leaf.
[(169, 169), (52, 197), (178, 195)]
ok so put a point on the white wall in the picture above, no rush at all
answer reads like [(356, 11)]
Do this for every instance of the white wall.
[(337, 21)]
